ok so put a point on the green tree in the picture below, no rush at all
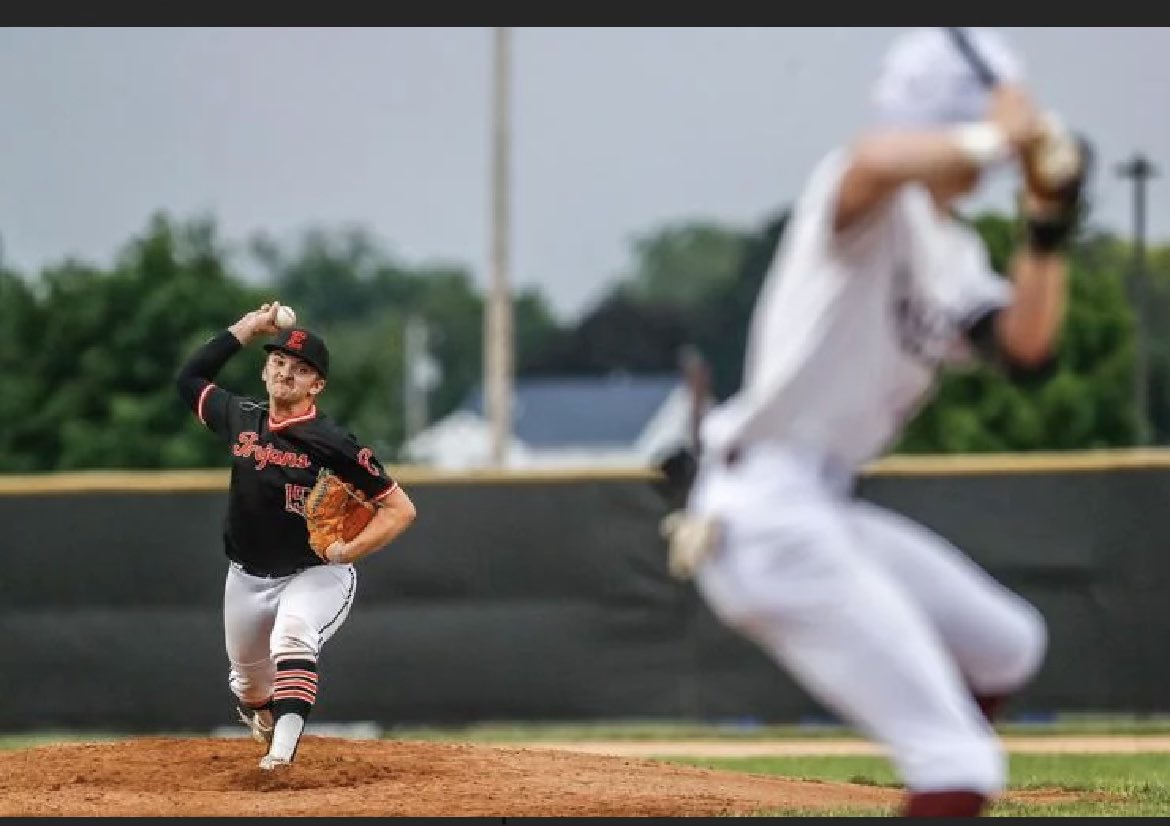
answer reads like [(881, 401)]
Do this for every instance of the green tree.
[(689, 284), (683, 265), (89, 354), (722, 321), (1086, 403), (21, 321), (109, 347)]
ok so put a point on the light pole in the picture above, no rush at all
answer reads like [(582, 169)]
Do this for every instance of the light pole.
[(1139, 169), (415, 386), (497, 344)]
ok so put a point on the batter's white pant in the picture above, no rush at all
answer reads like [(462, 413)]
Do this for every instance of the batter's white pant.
[(883, 622), (266, 620)]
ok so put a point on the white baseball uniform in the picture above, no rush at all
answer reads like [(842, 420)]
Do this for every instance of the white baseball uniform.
[(882, 621)]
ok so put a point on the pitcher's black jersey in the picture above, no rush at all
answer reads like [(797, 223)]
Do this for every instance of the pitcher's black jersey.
[(274, 465)]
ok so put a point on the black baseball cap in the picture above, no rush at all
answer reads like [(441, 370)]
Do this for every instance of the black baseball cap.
[(305, 345)]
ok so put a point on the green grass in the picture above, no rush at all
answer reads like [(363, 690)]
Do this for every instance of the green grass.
[(660, 730), (24, 741), (641, 730), (1107, 785)]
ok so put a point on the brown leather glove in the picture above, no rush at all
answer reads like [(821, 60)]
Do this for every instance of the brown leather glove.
[(334, 512)]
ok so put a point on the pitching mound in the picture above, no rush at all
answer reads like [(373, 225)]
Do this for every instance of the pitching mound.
[(219, 777)]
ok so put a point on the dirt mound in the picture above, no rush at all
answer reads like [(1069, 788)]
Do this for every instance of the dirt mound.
[(219, 777)]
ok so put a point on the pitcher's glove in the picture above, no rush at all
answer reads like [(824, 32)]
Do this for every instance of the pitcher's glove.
[(334, 512)]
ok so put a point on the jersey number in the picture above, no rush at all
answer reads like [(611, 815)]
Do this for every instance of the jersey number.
[(294, 498)]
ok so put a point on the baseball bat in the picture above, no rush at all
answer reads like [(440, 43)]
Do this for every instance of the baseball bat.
[(967, 49), (1058, 159)]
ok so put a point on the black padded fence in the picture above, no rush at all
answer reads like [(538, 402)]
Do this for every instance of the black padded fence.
[(542, 598)]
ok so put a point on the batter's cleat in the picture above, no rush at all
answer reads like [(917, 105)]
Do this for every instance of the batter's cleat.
[(259, 721), (270, 762), (960, 803)]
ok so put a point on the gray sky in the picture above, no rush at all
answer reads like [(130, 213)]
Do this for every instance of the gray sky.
[(616, 132)]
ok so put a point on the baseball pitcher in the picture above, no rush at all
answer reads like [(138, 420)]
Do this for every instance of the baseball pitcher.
[(305, 502), (878, 286)]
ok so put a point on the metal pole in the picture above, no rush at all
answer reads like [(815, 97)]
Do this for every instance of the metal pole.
[(414, 393), (1140, 170), (498, 326)]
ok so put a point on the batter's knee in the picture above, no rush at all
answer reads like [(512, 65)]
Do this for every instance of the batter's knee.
[(1024, 651), (294, 637)]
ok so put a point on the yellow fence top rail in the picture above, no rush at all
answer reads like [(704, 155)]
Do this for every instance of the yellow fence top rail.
[(212, 480)]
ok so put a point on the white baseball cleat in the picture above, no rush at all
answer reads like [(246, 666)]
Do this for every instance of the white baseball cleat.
[(259, 722), (270, 762)]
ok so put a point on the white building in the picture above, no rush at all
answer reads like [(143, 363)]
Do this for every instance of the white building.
[(617, 420)]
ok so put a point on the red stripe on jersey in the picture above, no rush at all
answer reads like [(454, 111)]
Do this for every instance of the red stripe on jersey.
[(393, 487), (280, 424), (203, 394)]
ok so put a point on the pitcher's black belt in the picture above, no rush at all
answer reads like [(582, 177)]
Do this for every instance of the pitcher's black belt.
[(269, 573)]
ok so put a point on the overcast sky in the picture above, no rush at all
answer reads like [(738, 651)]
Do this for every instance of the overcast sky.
[(616, 132)]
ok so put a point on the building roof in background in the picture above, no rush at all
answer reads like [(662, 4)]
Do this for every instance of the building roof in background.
[(583, 410)]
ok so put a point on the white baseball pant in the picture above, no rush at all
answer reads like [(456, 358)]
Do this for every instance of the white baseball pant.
[(883, 622), (268, 619)]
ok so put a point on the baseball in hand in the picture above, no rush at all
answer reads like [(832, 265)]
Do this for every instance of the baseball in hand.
[(285, 318)]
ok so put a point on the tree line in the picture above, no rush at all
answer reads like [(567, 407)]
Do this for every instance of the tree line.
[(88, 353)]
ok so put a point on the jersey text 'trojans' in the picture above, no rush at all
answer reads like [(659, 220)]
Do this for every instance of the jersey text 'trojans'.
[(266, 454)]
